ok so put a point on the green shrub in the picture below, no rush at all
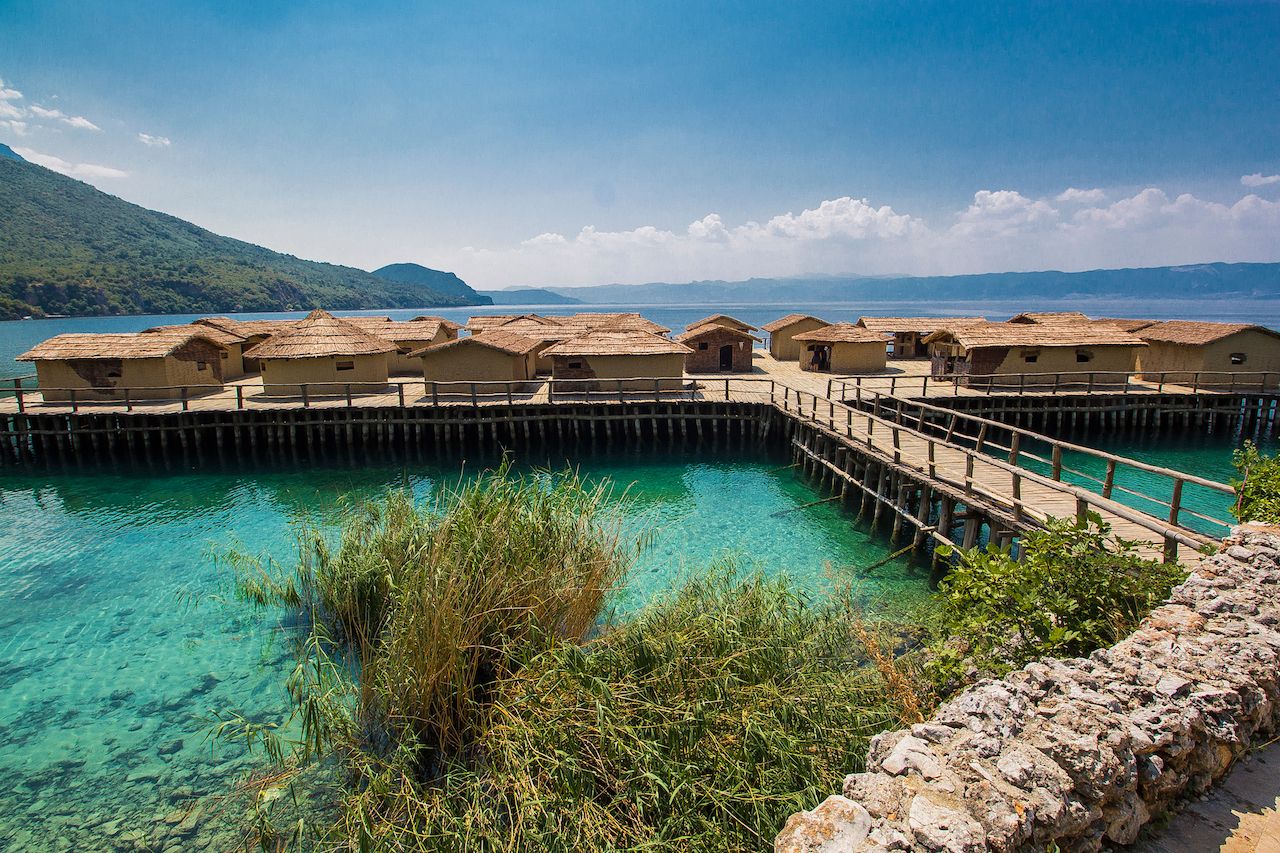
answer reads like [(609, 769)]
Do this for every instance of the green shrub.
[(1258, 486), (1075, 589)]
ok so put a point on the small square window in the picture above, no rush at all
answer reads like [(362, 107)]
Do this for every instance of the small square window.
[(702, 345), (1031, 356), (1238, 358), (1083, 356), (575, 365), (226, 354), (346, 365), (200, 365)]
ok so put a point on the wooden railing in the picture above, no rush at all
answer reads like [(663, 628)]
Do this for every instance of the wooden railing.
[(1076, 382), (982, 433), (862, 426), (884, 416)]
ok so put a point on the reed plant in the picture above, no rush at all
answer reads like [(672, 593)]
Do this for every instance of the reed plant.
[(460, 675)]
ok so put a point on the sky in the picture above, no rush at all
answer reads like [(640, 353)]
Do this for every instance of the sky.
[(579, 143)]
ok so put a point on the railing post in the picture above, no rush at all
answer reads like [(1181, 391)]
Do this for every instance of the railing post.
[(400, 393), (1082, 510), (619, 390), (182, 395), (1017, 496), (657, 390), (897, 447), (1057, 461), (933, 469), (1170, 549), (1160, 387), (1109, 483), (1195, 383), (347, 391), (510, 400), (968, 471), (924, 386), (474, 400), (1014, 448), (1089, 389), (1175, 503), (893, 385), (982, 438), (1022, 383), (828, 388), (726, 389), (306, 401), (74, 406), (435, 392), (239, 396), (17, 395)]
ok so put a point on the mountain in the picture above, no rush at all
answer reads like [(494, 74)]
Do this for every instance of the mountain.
[(1185, 282), (528, 296), (7, 153), (67, 248), (441, 282)]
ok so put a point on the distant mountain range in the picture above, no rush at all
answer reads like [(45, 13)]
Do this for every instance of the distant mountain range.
[(528, 296), (445, 283), (1185, 282), (67, 248)]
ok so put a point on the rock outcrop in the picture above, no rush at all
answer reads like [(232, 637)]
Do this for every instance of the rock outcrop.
[(1079, 752)]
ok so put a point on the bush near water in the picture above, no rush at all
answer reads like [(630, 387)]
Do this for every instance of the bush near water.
[(459, 686), (1258, 485)]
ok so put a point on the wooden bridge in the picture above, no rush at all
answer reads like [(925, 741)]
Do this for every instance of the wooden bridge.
[(941, 474)]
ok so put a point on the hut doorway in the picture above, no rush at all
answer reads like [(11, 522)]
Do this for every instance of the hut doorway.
[(819, 357), (726, 357)]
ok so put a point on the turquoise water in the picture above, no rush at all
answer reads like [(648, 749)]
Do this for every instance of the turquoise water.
[(120, 639), (1207, 456)]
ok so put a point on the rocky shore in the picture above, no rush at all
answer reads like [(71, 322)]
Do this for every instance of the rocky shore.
[(1082, 752)]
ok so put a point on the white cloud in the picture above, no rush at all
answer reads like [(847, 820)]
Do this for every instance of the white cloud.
[(1071, 195), (19, 117), (81, 122), (1257, 179), (1002, 213), (75, 170), (154, 141), (9, 94), (999, 230)]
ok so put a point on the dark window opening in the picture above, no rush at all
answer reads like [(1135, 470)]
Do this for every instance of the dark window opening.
[(575, 365), (1238, 358), (702, 345), (200, 365), (1031, 356), (1083, 356), (225, 354), (346, 365), (114, 374)]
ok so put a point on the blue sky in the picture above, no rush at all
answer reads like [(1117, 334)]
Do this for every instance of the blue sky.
[(577, 143)]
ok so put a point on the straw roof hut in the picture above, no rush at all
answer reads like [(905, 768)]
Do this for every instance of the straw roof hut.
[(990, 349), (614, 354), (250, 332), (1180, 349), (717, 349), (722, 320), (409, 336), (232, 344), (496, 356), (555, 328), (908, 333), (782, 331), (152, 365), (322, 349), (1126, 323), (842, 348), (1044, 318)]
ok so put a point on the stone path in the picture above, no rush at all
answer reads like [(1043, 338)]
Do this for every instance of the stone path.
[(1240, 816)]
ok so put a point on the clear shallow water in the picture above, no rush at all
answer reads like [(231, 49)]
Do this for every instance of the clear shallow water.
[(17, 336), (119, 636)]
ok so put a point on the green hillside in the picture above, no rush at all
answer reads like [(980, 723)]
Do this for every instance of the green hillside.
[(441, 282), (67, 248)]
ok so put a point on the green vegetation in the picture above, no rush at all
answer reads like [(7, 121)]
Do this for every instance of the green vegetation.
[(1258, 488), (487, 715), (67, 248), (444, 283), (1075, 589), (459, 688)]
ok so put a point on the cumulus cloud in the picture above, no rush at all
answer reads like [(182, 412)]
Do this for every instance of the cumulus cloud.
[(1002, 213), (154, 141), (998, 230), (75, 170), (8, 93), (1257, 179), (1071, 195)]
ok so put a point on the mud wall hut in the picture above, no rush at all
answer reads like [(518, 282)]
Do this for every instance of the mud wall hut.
[(842, 348), (1021, 349), (717, 349), (151, 365), (490, 359), (323, 349), (906, 334), (782, 332), (409, 336), (646, 360), (1182, 348)]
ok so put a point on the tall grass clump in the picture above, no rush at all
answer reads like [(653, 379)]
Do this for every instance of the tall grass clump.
[(458, 675), (1257, 485)]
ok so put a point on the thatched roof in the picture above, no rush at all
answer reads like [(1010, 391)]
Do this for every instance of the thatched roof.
[(790, 320), (503, 341), (409, 330), (618, 342), (979, 335), (320, 335), (557, 327), (842, 333), (1196, 333), (246, 328), (220, 336), (223, 324), (695, 332), (1044, 318), (723, 320), (362, 320), (1126, 323), (114, 345), (892, 325), (448, 324)]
